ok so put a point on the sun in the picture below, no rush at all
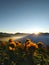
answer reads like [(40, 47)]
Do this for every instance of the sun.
[(36, 31)]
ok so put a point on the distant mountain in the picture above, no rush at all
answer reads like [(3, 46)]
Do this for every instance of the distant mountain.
[(9, 34), (5, 34), (19, 34), (41, 34)]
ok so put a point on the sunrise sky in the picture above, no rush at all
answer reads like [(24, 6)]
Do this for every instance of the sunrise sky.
[(28, 16)]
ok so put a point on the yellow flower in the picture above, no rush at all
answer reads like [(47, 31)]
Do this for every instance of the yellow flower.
[(11, 40), (32, 44), (3, 43), (40, 44), (11, 49), (12, 46)]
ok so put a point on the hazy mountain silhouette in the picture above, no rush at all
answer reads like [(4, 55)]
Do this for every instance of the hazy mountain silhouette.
[(10, 34)]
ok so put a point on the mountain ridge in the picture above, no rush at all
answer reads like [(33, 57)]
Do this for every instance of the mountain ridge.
[(2, 34)]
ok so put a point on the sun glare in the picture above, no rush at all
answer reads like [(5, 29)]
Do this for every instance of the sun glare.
[(36, 31)]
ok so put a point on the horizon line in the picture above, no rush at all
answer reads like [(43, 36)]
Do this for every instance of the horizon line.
[(23, 32)]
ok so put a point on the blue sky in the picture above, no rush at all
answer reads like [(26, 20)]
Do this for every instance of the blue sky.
[(26, 16)]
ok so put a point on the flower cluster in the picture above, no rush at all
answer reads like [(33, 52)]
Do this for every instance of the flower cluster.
[(16, 53)]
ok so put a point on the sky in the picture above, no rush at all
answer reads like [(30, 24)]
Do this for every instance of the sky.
[(25, 16)]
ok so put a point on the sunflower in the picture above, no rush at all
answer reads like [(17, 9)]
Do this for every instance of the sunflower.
[(32, 44), (12, 45), (40, 44)]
